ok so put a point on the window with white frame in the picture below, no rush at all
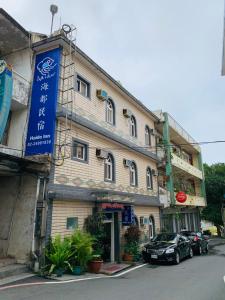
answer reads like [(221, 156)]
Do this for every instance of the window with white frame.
[(109, 168), (80, 151), (133, 174), (133, 127), (149, 178), (83, 86), (110, 112), (147, 136)]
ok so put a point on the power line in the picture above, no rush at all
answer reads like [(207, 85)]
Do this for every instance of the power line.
[(134, 147)]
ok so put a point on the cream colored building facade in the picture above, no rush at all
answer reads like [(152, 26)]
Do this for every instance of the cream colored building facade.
[(105, 156)]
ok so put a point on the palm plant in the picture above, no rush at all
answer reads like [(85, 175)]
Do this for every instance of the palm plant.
[(58, 254), (82, 246)]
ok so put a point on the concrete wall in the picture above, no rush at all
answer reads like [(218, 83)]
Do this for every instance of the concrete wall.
[(17, 207)]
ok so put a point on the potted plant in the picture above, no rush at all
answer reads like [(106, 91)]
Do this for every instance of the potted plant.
[(132, 238), (95, 263), (82, 248), (58, 255)]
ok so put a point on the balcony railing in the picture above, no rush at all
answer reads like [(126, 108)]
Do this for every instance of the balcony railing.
[(193, 201), (182, 132), (185, 166), (20, 89)]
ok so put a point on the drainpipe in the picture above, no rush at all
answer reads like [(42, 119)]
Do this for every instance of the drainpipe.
[(36, 262)]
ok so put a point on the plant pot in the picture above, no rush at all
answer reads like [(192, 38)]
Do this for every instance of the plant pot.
[(95, 266), (128, 257), (59, 272), (77, 270)]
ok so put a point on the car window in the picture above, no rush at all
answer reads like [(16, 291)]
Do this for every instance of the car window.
[(182, 239), (165, 237)]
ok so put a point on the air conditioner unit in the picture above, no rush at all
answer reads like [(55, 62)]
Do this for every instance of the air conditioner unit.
[(154, 132), (146, 221), (102, 95), (101, 154), (127, 163), (127, 113), (154, 172)]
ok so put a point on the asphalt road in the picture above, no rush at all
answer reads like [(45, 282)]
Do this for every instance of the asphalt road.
[(199, 278)]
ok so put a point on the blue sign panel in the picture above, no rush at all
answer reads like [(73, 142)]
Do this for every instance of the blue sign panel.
[(41, 126), (128, 215), (5, 97)]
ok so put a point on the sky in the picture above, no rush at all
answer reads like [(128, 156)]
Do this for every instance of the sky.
[(167, 53)]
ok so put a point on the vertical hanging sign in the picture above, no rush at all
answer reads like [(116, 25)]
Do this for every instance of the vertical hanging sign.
[(6, 84), (41, 125)]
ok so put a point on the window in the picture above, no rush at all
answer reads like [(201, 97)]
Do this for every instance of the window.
[(83, 86), (149, 178), (133, 174), (110, 112), (72, 223), (151, 227), (80, 151), (147, 136), (133, 127), (109, 168)]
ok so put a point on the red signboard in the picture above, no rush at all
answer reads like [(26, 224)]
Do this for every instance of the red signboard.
[(112, 206), (181, 197)]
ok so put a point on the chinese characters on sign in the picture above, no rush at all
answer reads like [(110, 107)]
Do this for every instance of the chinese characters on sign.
[(41, 126), (128, 215)]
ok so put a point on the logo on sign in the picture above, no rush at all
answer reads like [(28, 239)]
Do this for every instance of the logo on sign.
[(3, 66), (46, 65), (181, 197)]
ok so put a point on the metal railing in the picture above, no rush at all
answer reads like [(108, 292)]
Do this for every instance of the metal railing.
[(182, 132)]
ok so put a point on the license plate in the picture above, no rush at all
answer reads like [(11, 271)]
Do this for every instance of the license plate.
[(154, 256)]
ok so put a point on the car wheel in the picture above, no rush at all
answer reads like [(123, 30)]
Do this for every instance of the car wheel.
[(177, 258), (207, 248), (200, 250), (191, 253)]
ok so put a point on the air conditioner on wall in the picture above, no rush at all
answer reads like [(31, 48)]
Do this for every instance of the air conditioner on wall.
[(102, 95), (154, 172), (127, 113), (101, 154), (127, 163)]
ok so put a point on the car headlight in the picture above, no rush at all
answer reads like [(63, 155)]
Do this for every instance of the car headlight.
[(168, 251)]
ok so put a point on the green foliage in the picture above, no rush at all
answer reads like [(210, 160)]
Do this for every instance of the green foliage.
[(132, 234), (215, 190), (82, 247), (95, 226), (58, 254)]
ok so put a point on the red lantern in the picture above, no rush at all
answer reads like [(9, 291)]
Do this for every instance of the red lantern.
[(181, 197)]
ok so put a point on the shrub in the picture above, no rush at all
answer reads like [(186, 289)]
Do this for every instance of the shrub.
[(81, 242), (58, 254), (132, 234)]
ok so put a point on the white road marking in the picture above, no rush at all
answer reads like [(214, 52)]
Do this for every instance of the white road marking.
[(72, 280), (224, 279)]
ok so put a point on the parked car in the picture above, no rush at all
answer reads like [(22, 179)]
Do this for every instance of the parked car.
[(199, 242), (167, 247)]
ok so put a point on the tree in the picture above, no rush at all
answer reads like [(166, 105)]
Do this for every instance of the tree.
[(215, 190)]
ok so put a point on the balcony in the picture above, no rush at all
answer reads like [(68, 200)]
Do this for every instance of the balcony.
[(20, 91), (185, 166), (182, 132), (193, 201)]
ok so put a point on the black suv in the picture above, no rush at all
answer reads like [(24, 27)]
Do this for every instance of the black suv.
[(199, 242)]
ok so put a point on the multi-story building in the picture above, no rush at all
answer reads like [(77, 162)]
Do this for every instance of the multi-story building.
[(181, 177), (104, 154), (20, 178)]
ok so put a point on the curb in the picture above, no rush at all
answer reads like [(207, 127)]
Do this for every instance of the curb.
[(72, 280)]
